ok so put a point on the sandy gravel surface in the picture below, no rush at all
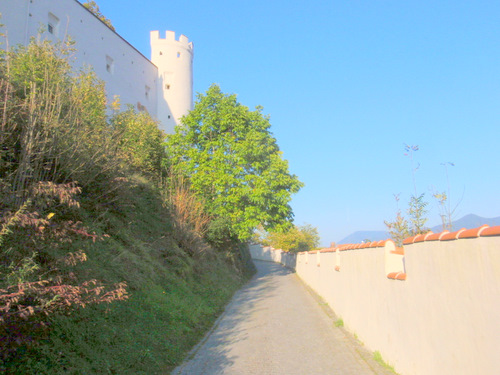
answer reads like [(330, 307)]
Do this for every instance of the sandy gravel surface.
[(274, 325)]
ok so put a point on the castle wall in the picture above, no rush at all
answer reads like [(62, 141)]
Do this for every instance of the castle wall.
[(431, 307), (125, 71)]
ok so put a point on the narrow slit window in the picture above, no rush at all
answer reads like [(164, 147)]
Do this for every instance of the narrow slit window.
[(110, 65), (53, 25)]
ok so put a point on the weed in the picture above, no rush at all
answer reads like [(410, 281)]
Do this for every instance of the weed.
[(378, 358), (339, 323)]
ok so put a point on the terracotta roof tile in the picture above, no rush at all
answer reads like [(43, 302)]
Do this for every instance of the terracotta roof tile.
[(409, 240), (491, 231), (452, 235), (327, 250), (422, 237), (437, 236), (396, 275), (473, 233)]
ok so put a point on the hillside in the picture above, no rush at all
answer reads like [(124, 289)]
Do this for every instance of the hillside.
[(173, 298)]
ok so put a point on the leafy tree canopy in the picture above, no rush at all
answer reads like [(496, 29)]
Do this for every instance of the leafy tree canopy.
[(234, 163), (297, 238), (141, 142)]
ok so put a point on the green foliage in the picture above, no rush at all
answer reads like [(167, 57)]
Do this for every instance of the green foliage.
[(141, 142), (94, 8), (446, 211), (416, 212), (378, 358), (402, 228), (339, 323), (54, 123), (173, 298), (297, 238), (234, 164), (20, 273), (398, 229)]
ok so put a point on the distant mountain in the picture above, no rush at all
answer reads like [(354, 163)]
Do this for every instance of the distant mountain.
[(368, 235), (468, 221)]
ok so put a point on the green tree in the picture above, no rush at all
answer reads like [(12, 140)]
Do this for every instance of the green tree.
[(297, 238), (94, 8), (417, 213), (398, 229), (233, 163), (141, 142)]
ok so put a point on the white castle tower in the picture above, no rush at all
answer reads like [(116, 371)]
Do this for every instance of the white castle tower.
[(174, 60)]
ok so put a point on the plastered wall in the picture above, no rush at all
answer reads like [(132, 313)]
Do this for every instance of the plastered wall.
[(163, 88), (431, 307)]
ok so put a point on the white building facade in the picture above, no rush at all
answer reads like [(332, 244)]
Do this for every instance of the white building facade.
[(162, 86)]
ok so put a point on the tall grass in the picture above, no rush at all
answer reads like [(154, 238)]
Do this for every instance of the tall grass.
[(173, 298)]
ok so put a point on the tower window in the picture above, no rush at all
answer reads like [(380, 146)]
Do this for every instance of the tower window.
[(178, 54), (161, 53), (110, 65), (147, 90), (53, 24), (167, 86)]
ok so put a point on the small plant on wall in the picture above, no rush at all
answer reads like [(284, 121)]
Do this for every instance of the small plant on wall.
[(401, 228)]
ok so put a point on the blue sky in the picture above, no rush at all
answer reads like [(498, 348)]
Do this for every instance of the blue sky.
[(347, 84)]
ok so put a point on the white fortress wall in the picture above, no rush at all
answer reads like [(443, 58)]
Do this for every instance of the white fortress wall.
[(166, 93), (125, 71), (432, 307)]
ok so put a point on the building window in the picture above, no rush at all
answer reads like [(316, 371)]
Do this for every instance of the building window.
[(53, 25), (178, 54), (147, 90), (167, 86), (110, 65)]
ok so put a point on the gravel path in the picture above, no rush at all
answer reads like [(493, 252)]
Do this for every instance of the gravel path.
[(274, 325)]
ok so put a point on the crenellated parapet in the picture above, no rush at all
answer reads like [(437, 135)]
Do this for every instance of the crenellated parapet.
[(170, 38)]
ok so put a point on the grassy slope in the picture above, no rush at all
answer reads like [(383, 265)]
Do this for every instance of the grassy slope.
[(173, 300)]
